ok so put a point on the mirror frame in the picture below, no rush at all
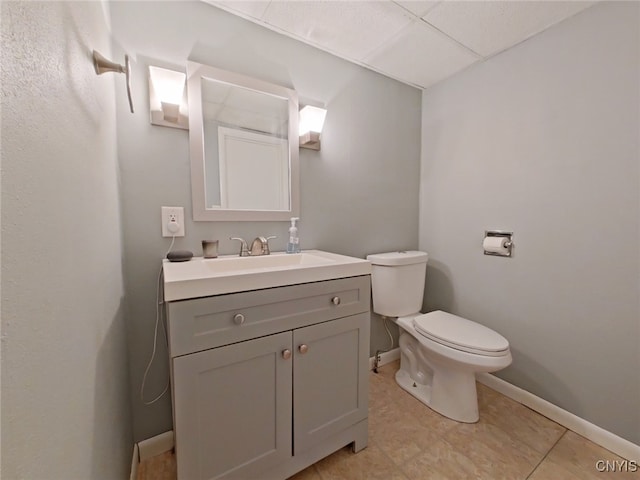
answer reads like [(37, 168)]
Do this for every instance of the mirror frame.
[(195, 72)]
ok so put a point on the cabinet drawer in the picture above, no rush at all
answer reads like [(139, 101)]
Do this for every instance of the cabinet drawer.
[(203, 323)]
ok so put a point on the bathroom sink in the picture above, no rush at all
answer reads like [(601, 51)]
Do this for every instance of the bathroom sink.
[(201, 277), (236, 264)]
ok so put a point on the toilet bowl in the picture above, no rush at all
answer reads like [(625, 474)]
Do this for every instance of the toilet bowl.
[(440, 353), (440, 372)]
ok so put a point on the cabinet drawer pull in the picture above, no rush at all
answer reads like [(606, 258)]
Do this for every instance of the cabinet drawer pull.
[(303, 348), (335, 300), (286, 354), (238, 318)]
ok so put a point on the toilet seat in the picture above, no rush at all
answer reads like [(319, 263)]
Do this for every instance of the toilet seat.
[(461, 334)]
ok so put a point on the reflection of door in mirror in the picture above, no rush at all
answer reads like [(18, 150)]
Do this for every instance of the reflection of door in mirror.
[(253, 171), (246, 148), (243, 140)]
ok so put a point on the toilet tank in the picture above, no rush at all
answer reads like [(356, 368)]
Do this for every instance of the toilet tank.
[(397, 282)]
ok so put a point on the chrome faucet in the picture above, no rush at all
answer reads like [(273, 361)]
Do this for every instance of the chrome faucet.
[(260, 246), (244, 250)]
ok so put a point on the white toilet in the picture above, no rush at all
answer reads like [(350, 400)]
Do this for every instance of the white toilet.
[(440, 353)]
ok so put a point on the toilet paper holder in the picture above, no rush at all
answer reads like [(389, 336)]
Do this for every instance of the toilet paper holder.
[(504, 250)]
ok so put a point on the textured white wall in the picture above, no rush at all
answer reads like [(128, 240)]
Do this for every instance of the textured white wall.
[(65, 399), (544, 140)]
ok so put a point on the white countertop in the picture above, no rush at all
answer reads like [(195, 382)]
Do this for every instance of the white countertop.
[(203, 277)]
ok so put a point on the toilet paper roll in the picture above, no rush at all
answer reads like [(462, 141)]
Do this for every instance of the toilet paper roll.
[(495, 244)]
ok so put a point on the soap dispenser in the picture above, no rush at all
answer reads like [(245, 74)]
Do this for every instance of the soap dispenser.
[(293, 245)]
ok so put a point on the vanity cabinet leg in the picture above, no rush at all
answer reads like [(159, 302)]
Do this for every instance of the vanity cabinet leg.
[(361, 438)]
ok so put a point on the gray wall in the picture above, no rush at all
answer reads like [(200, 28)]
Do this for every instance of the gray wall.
[(359, 193), (65, 388), (543, 139)]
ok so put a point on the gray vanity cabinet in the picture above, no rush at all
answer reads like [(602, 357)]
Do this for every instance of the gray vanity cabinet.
[(233, 408), (267, 382)]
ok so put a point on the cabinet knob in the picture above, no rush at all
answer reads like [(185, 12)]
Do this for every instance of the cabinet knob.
[(238, 318), (303, 348), (286, 354), (335, 300)]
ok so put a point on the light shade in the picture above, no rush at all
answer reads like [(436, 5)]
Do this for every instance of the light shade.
[(311, 123), (167, 98)]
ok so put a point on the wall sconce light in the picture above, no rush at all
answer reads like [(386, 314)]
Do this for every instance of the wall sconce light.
[(167, 98), (311, 122)]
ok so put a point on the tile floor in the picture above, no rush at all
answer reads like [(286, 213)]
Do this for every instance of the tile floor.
[(408, 441)]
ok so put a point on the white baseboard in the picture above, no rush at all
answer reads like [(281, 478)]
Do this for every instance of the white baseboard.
[(385, 357), (156, 445), (597, 435), (135, 460)]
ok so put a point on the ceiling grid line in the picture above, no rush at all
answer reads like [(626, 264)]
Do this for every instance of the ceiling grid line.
[(417, 42)]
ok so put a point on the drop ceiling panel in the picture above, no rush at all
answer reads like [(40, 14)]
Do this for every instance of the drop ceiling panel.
[(488, 27), (419, 42), (422, 56), (350, 29), (417, 7), (249, 8)]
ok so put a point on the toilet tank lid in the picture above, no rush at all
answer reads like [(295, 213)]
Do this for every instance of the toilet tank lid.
[(398, 258)]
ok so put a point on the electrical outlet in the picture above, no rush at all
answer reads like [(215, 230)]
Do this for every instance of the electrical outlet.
[(173, 221)]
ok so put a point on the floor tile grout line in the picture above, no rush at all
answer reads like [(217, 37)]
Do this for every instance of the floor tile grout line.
[(548, 452), (396, 466)]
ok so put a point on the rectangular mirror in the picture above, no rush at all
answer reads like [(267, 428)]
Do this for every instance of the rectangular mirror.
[(243, 142)]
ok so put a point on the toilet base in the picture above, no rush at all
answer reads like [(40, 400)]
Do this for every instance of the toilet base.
[(455, 397), (421, 392), (437, 382)]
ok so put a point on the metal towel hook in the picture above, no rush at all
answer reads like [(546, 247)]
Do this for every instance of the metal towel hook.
[(103, 65)]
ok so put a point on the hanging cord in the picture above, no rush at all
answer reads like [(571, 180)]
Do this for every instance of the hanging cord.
[(376, 359), (160, 320)]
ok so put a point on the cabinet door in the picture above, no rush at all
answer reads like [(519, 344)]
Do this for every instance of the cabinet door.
[(330, 378), (233, 409)]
